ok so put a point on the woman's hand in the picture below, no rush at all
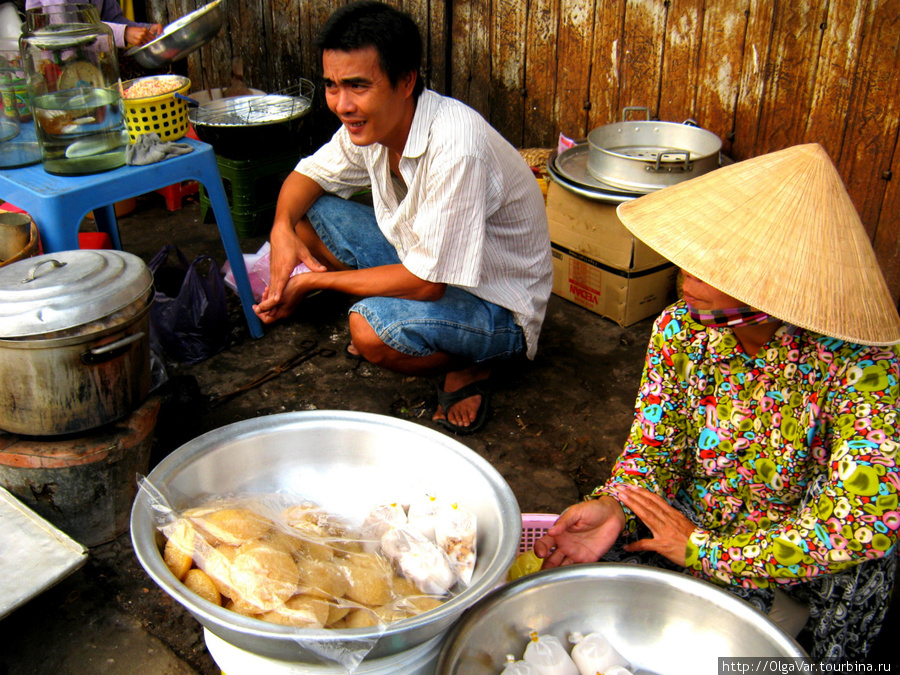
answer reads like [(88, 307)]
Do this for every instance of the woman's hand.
[(670, 528), (583, 533), (135, 36)]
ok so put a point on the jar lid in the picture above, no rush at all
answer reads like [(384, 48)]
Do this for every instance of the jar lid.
[(63, 290)]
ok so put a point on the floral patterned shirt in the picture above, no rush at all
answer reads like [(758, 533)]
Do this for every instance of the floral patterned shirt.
[(788, 460)]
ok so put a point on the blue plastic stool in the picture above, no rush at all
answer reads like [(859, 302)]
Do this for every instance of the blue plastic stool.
[(58, 204)]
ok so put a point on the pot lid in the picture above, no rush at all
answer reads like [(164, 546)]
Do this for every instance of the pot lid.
[(63, 290)]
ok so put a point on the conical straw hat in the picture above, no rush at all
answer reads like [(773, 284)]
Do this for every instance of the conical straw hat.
[(779, 233)]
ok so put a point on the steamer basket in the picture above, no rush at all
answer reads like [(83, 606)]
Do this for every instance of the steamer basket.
[(164, 114)]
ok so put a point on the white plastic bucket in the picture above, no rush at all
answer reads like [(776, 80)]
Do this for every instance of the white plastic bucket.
[(420, 660)]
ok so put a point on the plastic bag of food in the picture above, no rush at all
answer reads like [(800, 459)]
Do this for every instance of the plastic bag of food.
[(419, 560), (456, 533), (422, 515), (593, 653), (382, 518), (294, 564), (547, 654), (514, 667)]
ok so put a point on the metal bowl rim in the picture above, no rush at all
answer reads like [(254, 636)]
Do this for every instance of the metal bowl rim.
[(618, 572), (190, 451)]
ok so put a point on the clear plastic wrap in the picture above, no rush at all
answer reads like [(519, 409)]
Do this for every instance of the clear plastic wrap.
[(288, 561), (456, 534), (419, 560)]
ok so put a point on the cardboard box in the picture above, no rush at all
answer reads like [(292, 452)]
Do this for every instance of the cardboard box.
[(600, 265)]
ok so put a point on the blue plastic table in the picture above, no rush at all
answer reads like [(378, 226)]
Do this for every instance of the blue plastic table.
[(58, 204)]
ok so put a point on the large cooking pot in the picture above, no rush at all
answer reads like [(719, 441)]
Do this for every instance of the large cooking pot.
[(346, 462), (74, 341), (660, 621), (643, 156), (248, 127)]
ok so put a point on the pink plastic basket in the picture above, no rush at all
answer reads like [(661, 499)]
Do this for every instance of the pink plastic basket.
[(534, 525)]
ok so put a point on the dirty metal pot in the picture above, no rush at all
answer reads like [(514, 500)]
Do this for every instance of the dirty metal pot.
[(643, 156), (74, 341), (246, 127)]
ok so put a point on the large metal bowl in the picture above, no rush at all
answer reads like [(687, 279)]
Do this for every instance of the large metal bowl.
[(248, 127), (181, 37), (661, 621), (349, 458)]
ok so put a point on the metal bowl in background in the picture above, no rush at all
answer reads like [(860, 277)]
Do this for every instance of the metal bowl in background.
[(347, 462), (661, 621), (247, 127), (181, 37)]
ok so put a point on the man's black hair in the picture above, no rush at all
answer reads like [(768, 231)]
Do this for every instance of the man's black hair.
[(367, 23)]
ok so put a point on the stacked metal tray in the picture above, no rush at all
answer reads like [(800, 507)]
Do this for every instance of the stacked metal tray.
[(569, 168)]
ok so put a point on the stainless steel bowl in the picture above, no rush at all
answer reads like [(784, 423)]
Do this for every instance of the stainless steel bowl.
[(182, 37), (662, 621), (247, 127), (350, 459)]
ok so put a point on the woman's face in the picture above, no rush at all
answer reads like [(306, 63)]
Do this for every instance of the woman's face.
[(700, 295)]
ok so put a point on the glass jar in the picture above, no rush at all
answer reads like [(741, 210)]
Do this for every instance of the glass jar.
[(72, 72)]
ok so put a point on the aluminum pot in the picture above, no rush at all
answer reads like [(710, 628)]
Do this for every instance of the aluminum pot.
[(247, 127), (342, 460), (74, 341), (643, 156), (660, 621)]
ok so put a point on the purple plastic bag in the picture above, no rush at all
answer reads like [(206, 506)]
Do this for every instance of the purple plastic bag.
[(189, 315)]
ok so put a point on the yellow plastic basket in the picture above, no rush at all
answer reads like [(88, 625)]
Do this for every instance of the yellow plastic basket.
[(163, 114)]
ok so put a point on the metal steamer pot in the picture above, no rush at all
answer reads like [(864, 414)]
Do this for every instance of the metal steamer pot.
[(643, 156), (74, 341), (247, 127)]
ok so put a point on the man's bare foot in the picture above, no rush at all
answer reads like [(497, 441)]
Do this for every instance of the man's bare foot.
[(464, 412)]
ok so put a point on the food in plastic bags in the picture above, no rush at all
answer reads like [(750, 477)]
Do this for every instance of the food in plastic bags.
[(455, 533), (420, 560), (514, 667), (593, 653), (296, 565), (382, 518), (422, 515), (547, 654)]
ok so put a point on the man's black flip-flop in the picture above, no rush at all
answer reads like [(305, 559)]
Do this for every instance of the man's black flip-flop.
[(350, 355), (448, 399)]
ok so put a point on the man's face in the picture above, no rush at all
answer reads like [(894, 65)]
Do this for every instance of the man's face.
[(358, 91)]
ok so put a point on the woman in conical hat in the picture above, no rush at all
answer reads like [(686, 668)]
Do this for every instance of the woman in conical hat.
[(764, 451)]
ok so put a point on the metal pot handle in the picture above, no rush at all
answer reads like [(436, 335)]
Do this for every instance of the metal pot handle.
[(109, 351), (629, 108), (33, 271), (659, 168)]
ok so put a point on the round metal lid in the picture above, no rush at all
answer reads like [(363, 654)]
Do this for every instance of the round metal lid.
[(63, 290)]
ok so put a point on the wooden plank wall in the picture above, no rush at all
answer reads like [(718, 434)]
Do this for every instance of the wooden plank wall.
[(762, 74)]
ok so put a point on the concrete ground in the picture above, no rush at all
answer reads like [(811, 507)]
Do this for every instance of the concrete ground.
[(558, 423)]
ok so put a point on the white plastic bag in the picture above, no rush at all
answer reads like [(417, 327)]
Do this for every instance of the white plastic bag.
[(547, 654), (593, 653)]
